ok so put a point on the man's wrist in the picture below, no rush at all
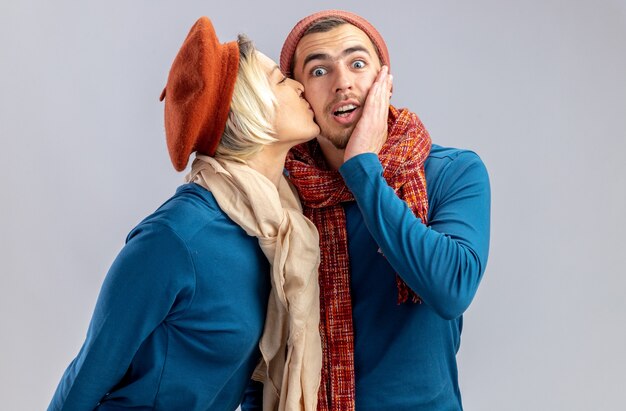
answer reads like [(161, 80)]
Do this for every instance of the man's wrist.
[(359, 164)]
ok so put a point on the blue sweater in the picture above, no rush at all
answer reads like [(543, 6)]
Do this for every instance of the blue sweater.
[(178, 318), (405, 355)]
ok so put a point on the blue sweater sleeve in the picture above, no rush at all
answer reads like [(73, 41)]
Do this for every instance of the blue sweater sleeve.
[(444, 261), (150, 281)]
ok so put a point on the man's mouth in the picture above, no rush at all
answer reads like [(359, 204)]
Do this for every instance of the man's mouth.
[(345, 110)]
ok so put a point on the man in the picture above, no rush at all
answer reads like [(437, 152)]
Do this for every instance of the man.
[(404, 226)]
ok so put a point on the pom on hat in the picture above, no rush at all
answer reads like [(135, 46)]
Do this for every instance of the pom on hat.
[(198, 92), (289, 47)]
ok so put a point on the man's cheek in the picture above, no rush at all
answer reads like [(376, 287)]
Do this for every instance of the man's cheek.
[(367, 83), (317, 103)]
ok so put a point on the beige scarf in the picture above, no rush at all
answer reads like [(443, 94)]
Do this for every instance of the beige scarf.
[(290, 345)]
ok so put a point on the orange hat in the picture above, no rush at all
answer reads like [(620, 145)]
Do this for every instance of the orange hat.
[(289, 47), (199, 89)]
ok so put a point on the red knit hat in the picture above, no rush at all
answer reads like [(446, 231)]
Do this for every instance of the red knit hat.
[(199, 89), (289, 47)]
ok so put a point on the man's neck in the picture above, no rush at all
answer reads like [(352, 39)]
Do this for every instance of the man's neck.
[(332, 154)]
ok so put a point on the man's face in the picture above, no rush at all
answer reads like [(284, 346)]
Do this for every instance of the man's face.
[(337, 69)]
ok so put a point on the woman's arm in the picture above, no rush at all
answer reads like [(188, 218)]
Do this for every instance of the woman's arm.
[(145, 285)]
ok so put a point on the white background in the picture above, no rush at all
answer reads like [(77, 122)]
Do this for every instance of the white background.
[(537, 88)]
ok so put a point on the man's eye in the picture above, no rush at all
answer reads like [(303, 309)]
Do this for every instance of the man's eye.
[(317, 72), (358, 64)]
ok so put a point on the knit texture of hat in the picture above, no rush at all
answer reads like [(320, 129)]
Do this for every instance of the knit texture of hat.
[(198, 92), (289, 47)]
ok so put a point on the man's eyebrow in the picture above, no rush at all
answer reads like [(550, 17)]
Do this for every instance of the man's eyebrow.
[(316, 56), (324, 56)]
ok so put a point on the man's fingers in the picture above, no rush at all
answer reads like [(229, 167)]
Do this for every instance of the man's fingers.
[(380, 91), (370, 132)]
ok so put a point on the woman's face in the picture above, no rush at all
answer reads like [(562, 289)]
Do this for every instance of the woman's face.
[(293, 121)]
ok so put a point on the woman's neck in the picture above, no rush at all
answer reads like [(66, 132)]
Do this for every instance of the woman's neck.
[(270, 162)]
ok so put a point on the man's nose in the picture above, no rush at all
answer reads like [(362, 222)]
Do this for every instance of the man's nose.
[(343, 79)]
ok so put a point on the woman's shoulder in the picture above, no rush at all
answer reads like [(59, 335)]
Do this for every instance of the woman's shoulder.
[(190, 210)]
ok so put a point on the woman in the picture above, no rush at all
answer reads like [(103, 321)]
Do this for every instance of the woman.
[(181, 312)]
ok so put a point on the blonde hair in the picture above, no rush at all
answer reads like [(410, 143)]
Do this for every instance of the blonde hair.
[(252, 108)]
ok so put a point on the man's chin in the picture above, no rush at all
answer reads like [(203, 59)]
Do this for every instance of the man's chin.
[(338, 140), (340, 145)]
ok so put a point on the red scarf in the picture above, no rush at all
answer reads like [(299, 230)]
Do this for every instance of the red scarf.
[(322, 191)]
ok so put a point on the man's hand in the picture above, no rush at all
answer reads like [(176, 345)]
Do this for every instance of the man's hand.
[(370, 132)]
